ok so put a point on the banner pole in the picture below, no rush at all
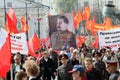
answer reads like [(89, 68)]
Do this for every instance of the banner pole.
[(11, 72)]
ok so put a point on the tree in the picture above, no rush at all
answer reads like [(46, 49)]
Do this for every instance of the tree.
[(67, 5)]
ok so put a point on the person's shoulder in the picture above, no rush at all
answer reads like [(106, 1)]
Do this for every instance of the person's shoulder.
[(55, 33)]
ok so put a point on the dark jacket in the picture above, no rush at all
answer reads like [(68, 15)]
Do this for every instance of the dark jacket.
[(100, 66), (47, 68), (93, 75), (73, 62), (63, 73)]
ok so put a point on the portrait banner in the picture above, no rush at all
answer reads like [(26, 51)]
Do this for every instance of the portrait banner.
[(62, 33), (110, 38), (18, 43)]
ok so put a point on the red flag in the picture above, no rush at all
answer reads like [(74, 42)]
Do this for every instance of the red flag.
[(107, 24), (33, 45), (5, 53), (95, 43), (43, 41), (11, 21), (86, 13), (12, 15), (80, 40), (77, 19), (90, 25), (24, 25), (10, 25)]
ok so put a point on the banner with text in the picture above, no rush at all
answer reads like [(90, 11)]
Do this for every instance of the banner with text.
[(109, 38), (19, 43)]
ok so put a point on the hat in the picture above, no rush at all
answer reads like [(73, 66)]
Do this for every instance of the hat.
[(63, 56), (112, 62), (79, 68)]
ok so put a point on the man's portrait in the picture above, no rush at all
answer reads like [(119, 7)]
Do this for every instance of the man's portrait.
[(62, 33)]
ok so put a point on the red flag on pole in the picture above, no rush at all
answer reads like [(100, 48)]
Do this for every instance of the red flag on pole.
[(95, 43), (5, 53), (108, 24), (86, 13), (77, 19), (10, 25), (11, 21), (24, 25), (12, 15), (33, 44), (80, 40)]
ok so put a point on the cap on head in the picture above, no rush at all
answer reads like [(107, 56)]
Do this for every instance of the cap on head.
[(79, 68), (111, 62)]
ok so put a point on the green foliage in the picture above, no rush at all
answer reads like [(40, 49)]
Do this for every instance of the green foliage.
[(67, 5)]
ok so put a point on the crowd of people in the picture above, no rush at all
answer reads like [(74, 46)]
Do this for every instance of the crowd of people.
[(82, 63)]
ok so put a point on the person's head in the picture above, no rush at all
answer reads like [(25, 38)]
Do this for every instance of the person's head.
[(71, 49), (108, 51), (62, 23), (31, 67), (31, 58), (45, 54), (17, 59), (83, 50), (63, 58), (97, 55), (21, 75), (50, 50), (88, 63), (74, 54), (111, 66), (78, 71), (103, 51)]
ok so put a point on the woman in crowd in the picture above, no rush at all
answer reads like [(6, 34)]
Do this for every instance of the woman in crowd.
[(32, 69), (91, 73)]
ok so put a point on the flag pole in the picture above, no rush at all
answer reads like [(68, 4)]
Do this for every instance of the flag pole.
[(38, 23), (26, 20), (5, 10), (11, 72)]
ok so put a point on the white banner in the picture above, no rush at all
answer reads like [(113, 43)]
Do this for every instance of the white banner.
[(109, 38), (19, 43)]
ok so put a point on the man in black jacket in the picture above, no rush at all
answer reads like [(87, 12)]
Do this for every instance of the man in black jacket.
[(47, 67), (63, 70)]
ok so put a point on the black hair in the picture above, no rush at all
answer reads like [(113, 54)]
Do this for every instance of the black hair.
[(64, 18), (63, 55)]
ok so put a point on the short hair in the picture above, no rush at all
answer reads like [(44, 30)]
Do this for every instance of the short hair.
[(31, 67), (17, 55), (64, 18), (63, 56), (20, 74), (88, 59)]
